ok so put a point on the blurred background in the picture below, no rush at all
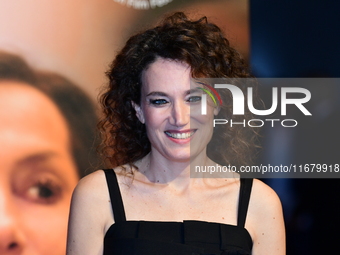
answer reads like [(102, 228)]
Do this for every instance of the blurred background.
[(78, 39), (293, 39)]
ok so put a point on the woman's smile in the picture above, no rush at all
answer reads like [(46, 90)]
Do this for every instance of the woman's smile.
[(177, 134), (180, 136)]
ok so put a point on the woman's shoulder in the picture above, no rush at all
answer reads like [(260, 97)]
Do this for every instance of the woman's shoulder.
[(264, 200), (92, 183), (262, 195), (91, 190), (265, 210), (91, 199)]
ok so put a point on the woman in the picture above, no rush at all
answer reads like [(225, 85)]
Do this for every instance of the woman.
[(154, 132), (47, 135)]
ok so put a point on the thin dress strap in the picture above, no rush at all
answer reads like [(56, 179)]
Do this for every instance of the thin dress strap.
[(245, 190), (115, 196)]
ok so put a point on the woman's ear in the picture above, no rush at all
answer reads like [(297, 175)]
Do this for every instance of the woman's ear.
[(139, 112)]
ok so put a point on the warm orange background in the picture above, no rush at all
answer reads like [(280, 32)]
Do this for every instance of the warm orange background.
[(79, 38)]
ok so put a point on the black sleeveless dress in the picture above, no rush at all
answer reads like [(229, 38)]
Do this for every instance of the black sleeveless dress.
[(175, 238)]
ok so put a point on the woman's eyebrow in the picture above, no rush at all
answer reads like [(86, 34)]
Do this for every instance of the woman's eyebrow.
[(37, 157), (157, 93), (190, 91), (31, 162)]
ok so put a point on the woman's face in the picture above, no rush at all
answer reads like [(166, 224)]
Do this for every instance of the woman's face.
[(37, 172), (171, 110)]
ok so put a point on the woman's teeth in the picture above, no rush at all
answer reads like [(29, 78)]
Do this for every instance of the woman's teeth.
[(180, 135)]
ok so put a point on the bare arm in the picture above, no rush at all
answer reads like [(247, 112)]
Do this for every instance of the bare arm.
[(90, 209), (266, 218)]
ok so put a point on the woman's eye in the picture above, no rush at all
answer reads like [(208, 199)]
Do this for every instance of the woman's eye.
[(43, 193), (194, 99), (158, 102)]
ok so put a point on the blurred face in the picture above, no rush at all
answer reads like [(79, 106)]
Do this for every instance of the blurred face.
[(37, 173), (171, 110)]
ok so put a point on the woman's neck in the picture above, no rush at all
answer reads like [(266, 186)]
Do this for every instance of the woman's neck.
[(158, 169)]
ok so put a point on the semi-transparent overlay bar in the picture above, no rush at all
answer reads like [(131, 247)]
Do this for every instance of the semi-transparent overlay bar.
[(265, 127)]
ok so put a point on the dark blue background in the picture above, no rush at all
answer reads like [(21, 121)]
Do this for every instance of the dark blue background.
[(302, 39)]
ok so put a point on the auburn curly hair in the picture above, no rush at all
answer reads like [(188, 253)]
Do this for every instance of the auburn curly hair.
[(200, 44)]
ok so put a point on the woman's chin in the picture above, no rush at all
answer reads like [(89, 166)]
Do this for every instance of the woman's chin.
[(178, 155), (185, 156)]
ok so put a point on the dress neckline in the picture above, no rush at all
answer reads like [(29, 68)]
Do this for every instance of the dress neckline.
[(119, 212)]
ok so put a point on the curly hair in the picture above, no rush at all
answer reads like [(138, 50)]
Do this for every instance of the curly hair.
[(200, 44)]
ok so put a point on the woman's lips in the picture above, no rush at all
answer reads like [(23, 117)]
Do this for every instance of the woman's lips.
[(176, 134)]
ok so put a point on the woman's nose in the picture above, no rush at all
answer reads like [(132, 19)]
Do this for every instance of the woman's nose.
[(180, 114), (11, 237)]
